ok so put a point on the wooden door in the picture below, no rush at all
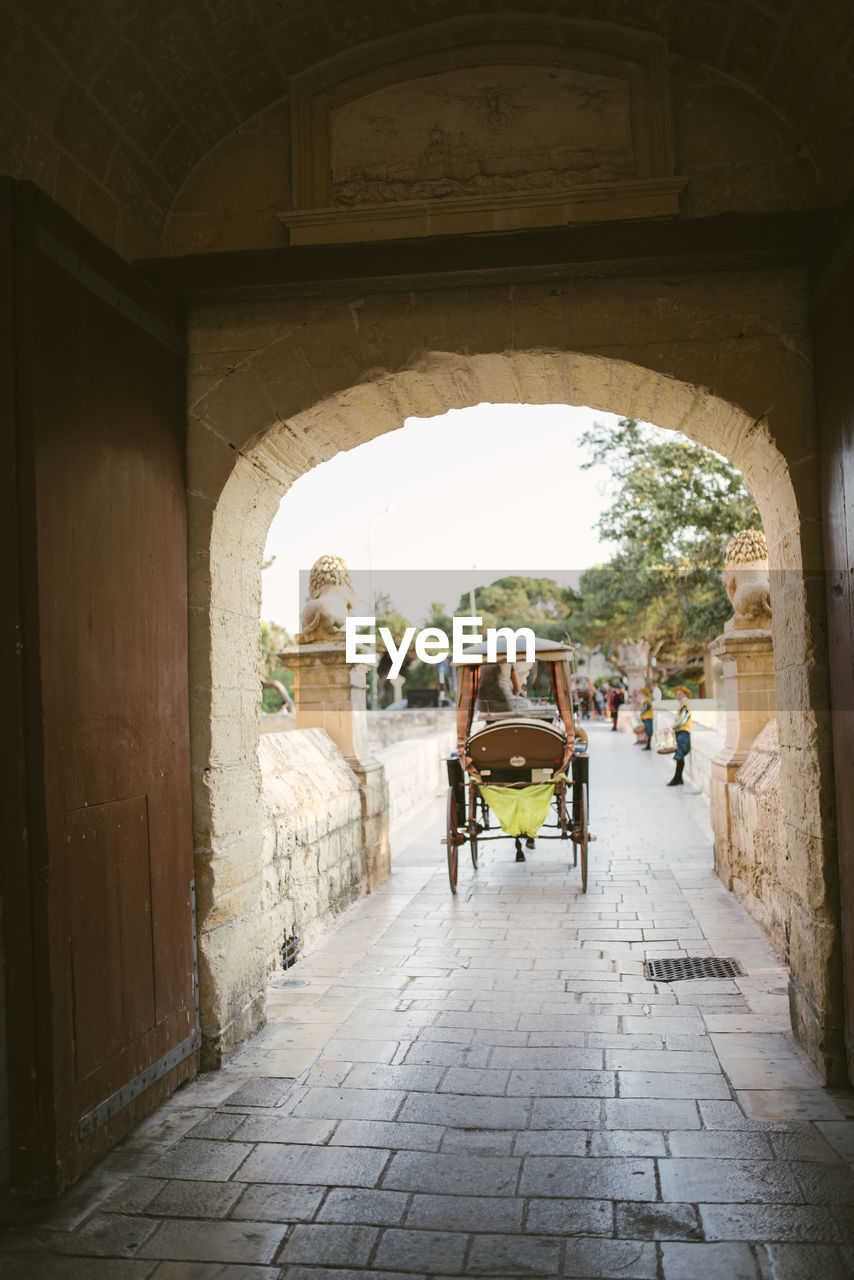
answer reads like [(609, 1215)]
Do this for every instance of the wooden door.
[(98, 886)]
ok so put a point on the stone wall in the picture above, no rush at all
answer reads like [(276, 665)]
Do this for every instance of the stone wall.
[(315, 862), (313, 857), (415, 771), (385, 728), (279, 386), (757, 854)]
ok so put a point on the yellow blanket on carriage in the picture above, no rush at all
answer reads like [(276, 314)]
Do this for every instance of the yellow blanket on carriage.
[(520, 810)]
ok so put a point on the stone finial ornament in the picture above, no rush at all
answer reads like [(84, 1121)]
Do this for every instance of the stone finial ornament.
[(330, 599), (745, 578)]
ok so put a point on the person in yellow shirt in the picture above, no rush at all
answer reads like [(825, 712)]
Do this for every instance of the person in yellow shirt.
[(645, 714), (682, 729)]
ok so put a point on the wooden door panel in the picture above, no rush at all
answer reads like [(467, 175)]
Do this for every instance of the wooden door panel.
[(100, 411), (112, 965)]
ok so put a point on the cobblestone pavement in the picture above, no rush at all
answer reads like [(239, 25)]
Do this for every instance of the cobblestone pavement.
[(488, 1086)]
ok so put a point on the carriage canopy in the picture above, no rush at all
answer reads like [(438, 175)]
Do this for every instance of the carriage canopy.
[(556, 655)]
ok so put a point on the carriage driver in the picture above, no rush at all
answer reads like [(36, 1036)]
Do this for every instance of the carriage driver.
[(682, 729)]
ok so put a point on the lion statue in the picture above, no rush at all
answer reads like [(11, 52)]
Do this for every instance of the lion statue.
[(745, 578), (330, 599)]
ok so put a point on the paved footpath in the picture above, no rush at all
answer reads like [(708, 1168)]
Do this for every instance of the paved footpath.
[(488, 1086)]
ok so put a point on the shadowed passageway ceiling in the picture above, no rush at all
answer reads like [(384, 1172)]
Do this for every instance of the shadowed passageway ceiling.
[(109, 104)]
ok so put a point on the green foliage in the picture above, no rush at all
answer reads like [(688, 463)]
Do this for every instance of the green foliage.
[(515, 601), (676, 504), (273, 640)]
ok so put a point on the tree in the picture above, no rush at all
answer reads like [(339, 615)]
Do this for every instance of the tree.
[(273, 640), (515, 601), (676, 504)]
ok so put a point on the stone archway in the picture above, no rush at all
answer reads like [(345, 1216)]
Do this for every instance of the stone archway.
[(279, 387)]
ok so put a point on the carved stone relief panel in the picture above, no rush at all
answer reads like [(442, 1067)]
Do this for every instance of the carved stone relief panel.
[(481, 131), (475, 135)]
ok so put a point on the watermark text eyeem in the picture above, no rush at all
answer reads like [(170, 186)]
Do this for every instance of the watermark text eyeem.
[(432, 644)]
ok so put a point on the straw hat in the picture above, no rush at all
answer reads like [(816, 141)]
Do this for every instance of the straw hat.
[(680, 688), (647, 691)]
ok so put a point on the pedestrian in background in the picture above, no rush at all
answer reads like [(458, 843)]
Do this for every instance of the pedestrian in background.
[(645, 714), (615, 701), (682, 729)]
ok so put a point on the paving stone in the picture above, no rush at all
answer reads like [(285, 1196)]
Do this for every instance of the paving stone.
[(609, 1259), (84, 1268), (314, 1166), (263, 1092), (663, 1084), (334, 1245), (465, 1213), (452, 1174), (503, 1255), (727, 1181), (658, 1222), (200, 1160), (362, 1050), (595, 1177), (199, 1241), (264, 1128), (387, 1133), (553, 1142), (563, 1217), (464, 1112), (711, 1261), (626, 1142), (133, 1195), (561, 1084), (729, 1115), (807, 1262), (488, 1142), (642, 1060), (377, 1208), (349, 1104), (471, 1080), (221, 1125), (650, 1113), (213, 1271), (720, 1143), (537, 1058), (773, 1222), (424, 1251), (566, 1113), (370, 1075), (181, 1199), (807, 1145), (273, 1203), (824, 1183), (437, 1053)]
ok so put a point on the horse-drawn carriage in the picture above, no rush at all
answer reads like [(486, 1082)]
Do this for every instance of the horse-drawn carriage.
[(527, 767)]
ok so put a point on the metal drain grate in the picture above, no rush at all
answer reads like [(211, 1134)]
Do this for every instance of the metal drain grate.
[(679, 968)]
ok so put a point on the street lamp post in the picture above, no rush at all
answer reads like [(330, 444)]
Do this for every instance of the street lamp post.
[(372, 679)]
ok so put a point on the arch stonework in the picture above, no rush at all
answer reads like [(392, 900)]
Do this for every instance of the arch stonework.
[(278, 387)]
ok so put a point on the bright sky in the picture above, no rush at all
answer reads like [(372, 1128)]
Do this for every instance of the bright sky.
[(486, 491)]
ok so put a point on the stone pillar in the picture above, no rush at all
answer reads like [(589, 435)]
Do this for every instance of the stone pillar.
[(331, 694), (747, 657)]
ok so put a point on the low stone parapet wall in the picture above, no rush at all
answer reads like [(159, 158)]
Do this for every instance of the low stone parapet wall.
[(315, 862), (387, 727), (705, 745), (415, 771), (313, 856)]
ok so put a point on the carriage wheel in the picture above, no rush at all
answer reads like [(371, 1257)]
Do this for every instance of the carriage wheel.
[(472, 827), (566, 827), (582, 836), (453, 840)]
